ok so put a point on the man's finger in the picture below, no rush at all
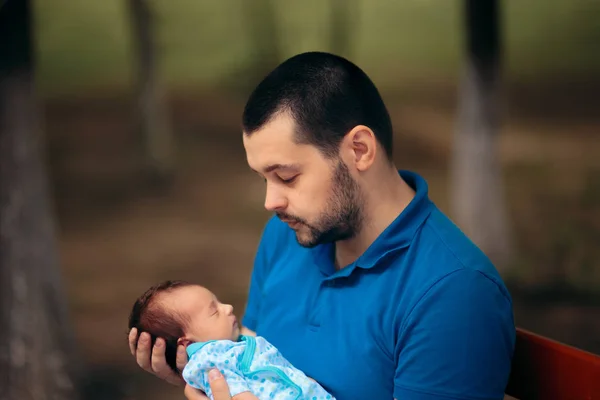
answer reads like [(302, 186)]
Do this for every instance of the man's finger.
[(194, 394), (142, 353), (182, 357), (159, 362), (218, 385), (133, 338), (174, 379)]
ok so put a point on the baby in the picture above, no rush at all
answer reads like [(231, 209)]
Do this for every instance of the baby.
[(189, 314)]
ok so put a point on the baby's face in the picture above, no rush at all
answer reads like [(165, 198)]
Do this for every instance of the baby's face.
[(206, 317)]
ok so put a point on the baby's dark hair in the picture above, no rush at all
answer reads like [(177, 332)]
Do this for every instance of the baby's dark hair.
[(148, 316)]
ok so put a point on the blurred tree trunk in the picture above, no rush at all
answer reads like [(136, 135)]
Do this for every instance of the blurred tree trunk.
[(36, 342), (153, 124), (477, 193), (261, 19), (342, 25)]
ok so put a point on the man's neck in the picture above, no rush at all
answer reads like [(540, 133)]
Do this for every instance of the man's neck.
[(384, 202)]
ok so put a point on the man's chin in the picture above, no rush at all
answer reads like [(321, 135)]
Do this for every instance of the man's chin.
[(305, 241), (310, 240)]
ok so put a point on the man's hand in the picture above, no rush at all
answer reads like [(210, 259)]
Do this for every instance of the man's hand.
[(152, 359), (191, 393), (219, 388)]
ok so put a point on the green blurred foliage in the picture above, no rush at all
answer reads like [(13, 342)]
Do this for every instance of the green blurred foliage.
[(87, 45)]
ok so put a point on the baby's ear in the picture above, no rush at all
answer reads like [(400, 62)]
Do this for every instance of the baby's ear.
[(183, 341)]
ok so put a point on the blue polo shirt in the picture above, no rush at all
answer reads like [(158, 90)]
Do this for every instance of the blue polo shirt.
[(422, 314)]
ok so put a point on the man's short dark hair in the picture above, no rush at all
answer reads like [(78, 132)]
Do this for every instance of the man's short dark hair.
[(326, 95)]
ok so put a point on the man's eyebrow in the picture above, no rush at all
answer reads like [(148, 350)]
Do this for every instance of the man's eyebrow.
[(273, 167)]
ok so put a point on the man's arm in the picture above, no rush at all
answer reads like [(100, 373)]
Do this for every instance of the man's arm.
[(457, 342)]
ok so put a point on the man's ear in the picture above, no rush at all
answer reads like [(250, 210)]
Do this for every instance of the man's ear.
[(185, 342), (362, 146)]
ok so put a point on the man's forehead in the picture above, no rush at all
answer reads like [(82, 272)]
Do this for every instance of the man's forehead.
[(278, 133), (274, 147), (279, 153), (265, 163)]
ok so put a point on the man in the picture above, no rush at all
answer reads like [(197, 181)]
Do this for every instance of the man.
[(359, 279)]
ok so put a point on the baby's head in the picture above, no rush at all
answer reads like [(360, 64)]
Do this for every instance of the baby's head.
[(182, 313)]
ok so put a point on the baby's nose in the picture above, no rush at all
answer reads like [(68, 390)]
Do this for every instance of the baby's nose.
[(228, 308)]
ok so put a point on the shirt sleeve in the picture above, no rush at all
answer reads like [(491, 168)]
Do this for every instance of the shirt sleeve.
[(259, 273), (457, 342), (200, 363)]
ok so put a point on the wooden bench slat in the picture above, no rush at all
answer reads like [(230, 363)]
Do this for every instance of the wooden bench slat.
[(543, 368)]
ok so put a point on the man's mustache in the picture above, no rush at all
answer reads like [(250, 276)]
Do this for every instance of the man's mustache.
[(289, 218)]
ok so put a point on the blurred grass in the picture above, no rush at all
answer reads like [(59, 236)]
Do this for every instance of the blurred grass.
[(87, 46)]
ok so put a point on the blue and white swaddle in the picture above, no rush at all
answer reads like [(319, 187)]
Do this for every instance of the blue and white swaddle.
[(250, 364)]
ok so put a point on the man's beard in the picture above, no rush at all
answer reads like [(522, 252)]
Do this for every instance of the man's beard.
[(343, 217)]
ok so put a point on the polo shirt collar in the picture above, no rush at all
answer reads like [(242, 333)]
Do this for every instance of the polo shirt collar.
[(396, 236)]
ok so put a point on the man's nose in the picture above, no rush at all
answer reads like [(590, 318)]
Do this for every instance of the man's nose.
[(274, 199)]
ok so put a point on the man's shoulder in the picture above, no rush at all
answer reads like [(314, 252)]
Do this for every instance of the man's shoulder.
[(453, 245), (443, 252), (454, 275)]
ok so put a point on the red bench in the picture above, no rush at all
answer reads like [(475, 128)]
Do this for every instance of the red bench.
[(546, 369)]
